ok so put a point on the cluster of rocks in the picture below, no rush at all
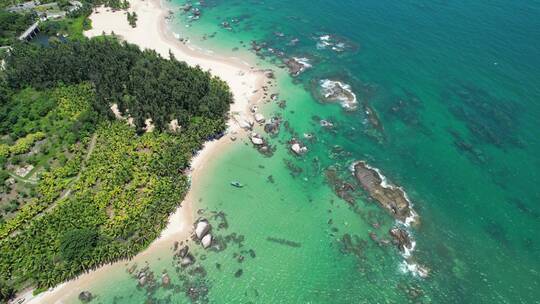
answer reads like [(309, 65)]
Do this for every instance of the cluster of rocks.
[(257, 139), (246, 124), (145, 278), (401, 239), (261, 144), (297, 65), (298, 147), (272, 127), (189, 8), (336, 44), (202, 232), (326, 124), (226, 25), (343, 189), (257, 47)]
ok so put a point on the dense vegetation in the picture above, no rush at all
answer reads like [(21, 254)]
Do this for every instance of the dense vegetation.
[(132, 19), (140, 82), (98, 190)]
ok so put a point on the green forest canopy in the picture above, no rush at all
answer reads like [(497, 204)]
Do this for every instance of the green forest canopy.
[(141, 82)]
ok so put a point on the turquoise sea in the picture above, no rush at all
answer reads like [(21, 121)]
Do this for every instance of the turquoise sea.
[(455, 88)]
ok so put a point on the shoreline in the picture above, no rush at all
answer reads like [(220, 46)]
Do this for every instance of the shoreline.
[(245, 82)]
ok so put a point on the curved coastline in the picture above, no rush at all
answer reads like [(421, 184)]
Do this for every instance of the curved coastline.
[(245, 82)]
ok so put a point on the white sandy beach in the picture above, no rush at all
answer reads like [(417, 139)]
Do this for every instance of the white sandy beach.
[(152, 33)]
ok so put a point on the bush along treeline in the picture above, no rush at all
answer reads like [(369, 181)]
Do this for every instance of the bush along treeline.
[(142, 83), (105, 189)]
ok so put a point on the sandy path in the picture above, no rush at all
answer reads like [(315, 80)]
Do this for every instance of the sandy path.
[(151, 32)]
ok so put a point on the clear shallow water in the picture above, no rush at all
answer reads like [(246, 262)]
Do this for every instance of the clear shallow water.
[(455, 86)]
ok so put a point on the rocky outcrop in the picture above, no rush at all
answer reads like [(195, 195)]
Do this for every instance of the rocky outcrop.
[(272, 127), (297, 65), (333, 90), (401, 239), (391, 197), (202, 228), (297, 147)]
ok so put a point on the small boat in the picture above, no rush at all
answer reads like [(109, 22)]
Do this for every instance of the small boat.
[(237, 184)]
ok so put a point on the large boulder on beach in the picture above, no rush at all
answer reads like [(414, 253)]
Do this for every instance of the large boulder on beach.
[(246, 124), (206, 241), (202, 228), (85, 296)]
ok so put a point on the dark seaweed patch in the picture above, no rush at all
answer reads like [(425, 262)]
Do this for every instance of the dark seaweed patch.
[(283, 242), (489, 119)]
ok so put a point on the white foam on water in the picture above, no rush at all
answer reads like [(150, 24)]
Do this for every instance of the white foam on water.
[(303, 61), (414, 269), (328, 85)]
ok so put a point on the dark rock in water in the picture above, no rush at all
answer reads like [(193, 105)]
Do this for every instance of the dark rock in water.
[(333, 90), (142, 280), (85, 296), (342, 189), (226, 25), (296, 65), (401, 239), (372, 116), (283, 242), (391, 197), (187, 260), (252, 253), (257, 47), (183, 251), (238, 273), (273, 126), (353, 244), (186, 8), (294, 169), (165, 280), (198, 271)]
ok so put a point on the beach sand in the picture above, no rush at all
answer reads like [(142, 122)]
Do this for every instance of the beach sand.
[(246, 84)]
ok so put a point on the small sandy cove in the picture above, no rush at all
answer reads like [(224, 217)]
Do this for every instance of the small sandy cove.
[(246, 85)]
